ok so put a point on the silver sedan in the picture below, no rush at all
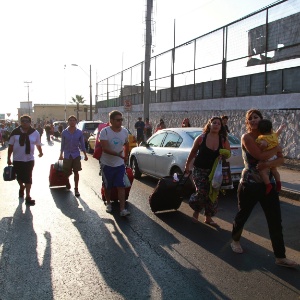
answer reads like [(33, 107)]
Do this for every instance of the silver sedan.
[(166, 152)]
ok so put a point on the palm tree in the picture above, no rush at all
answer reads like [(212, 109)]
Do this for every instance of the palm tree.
[(77, 100)]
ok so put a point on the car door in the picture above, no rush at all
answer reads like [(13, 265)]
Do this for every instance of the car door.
[(166, 155), (147, 154)]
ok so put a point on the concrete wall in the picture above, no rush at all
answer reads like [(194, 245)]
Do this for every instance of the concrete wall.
[(278, 108)]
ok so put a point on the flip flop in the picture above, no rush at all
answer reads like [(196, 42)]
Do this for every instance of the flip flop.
[(236, 248), (284, 262), (211, 223)]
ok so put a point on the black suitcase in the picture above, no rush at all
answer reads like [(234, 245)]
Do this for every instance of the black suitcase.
[(9, 173), (167, 195)]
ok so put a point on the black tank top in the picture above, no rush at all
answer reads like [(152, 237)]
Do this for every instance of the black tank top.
[(206, 157)]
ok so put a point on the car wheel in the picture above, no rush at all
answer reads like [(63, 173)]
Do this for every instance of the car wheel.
[(89, 149), (135, 169)]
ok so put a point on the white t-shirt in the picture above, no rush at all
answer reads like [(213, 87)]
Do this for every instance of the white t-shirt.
[(116, 141), (19, 151)]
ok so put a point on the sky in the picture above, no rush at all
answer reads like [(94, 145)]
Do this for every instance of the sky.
[(42, 39)]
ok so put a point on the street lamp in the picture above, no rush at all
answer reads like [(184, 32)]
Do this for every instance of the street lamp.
[(28, 82), (91, 103)]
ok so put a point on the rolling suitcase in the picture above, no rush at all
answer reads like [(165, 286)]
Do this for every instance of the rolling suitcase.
[(167, 194), (57, 177), (114, 191)]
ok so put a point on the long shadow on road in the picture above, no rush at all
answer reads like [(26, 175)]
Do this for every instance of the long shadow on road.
[(21, 275), (130, 258)]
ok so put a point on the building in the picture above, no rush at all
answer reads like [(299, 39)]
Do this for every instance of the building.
[(52, 112)]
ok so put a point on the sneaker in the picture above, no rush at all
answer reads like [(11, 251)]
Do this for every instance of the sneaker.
[(108, 208), (124, 213), (77, 194)]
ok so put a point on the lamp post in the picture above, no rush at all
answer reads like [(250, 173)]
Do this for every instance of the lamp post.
[(28, 82), (90, 75)]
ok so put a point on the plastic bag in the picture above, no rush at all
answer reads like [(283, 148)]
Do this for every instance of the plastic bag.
[(218, 176), (126, 181)]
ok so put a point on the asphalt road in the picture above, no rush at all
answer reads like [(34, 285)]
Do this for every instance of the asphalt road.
[(70, 248)]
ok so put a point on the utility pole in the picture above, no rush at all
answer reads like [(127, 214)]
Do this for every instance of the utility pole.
[(147, 58), (28, 82), (91, 100)]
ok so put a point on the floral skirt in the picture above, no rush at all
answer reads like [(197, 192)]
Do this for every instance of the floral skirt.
[(200, 199)]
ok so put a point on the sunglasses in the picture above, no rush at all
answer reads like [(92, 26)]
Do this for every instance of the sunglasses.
[(25, 121), (119, 120)]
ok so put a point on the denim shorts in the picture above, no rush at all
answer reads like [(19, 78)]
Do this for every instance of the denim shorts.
[(113, 176)]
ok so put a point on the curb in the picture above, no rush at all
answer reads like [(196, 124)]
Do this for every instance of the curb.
[(291, 194)]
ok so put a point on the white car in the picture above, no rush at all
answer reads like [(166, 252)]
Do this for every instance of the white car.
[(166, 152)]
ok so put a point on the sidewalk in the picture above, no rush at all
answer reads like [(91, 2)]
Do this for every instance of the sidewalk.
[(290, 180)]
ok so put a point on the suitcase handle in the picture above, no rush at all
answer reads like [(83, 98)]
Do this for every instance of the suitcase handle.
[(184, 178)]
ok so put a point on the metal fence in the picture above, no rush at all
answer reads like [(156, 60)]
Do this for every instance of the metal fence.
[(256, 55)]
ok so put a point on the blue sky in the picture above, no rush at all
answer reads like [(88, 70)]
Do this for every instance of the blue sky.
[(40, 37)]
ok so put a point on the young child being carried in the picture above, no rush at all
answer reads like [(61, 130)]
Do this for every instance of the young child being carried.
[(268, 140)]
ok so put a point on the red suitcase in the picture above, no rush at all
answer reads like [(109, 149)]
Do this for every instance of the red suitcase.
[(56, 177), (114, 191)]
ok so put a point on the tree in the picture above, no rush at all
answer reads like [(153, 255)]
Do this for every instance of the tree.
[(77, 100)]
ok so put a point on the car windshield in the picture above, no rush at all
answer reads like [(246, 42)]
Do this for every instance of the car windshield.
[(232, 139), (194, 134), (91, 126)]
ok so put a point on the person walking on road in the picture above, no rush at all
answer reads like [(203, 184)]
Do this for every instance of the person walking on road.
[(224, 122), (206, 149), (160, 125), (147, 129), (72, 140), (139, 126), (21, 144), (252, 190), (115, 147)]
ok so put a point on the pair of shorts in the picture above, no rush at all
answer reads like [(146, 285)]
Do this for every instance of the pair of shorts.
[(24, 170), (113, 176), (71, 164)]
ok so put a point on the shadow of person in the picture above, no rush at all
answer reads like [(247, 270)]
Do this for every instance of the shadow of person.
[(172, 275), (130, 258), (24, 276), (217, 242)]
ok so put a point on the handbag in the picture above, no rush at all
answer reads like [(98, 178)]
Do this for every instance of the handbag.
[(227, 180), (218, 176), (9, 173)]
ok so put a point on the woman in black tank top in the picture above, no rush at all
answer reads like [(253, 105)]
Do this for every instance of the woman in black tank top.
[(205, 150), (252, 190)]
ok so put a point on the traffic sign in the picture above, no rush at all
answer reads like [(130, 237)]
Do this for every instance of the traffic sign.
[(127, 105)]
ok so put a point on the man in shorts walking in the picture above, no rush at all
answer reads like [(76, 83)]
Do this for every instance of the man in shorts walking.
[(115, 149), (21, 144), (71, 139)]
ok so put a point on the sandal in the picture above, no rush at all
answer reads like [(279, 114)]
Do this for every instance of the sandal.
[(284, 262), (195, 220), (77, 194), (211, 223), (29, 201), (236, 248)]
